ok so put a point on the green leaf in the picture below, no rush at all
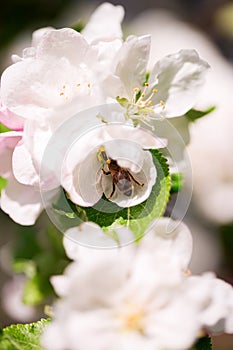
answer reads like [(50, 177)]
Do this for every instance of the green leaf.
[(138, 218), (3, 183), (176, 182), (23, 336), (194, 114), (203, 344), (4, 128), (38, 255)]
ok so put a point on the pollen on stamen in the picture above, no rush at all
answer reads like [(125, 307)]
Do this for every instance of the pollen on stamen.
[(154, 91), (146, 84), (149, 103), (162, 104), (61, 93), (89, 85), (78, 84), (136, 89), (142, 95), (64, 86)]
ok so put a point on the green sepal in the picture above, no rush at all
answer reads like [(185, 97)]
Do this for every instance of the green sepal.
[(4, 128), (194, 114), (124, 102), (3, 183), (23, 336)]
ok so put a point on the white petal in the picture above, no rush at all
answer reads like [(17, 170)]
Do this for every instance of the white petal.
[(8, 141), (34, 87), (23, 167), (22, 203), (38, 34), (90, 235), (178, 79), (11, 120), (105, 23), (169, 238), (132, 62)]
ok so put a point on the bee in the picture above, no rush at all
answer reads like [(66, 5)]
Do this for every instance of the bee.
[(121, 177)]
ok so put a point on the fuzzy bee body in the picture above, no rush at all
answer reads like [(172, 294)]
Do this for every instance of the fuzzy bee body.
[(121, 177)]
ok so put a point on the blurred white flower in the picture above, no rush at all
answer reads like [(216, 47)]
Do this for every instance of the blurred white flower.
[(134, 304), (11, 298), (138, 297), (211, 144)]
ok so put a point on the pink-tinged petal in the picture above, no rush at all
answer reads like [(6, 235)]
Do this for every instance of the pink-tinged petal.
[(22, 203), (11, 120), (178, 78), (23, 167), (66, 43), (132, 62), (38, 35), (8, 141), (105, 23)]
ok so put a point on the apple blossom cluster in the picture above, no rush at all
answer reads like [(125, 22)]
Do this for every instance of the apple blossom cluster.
[(63, 74), (93, 134), (139, 297)]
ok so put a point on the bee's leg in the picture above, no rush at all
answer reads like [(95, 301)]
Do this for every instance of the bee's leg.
[(113, 190), (106, 172), (138, 183)]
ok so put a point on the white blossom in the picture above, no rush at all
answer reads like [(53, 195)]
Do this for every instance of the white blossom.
[(85, 173), (211, 137), (139, 296)]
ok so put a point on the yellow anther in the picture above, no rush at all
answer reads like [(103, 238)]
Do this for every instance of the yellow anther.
[(143, 95), (187, 272), (108, 161), (154, 91), (61, 93), (136, 89), (89, 85), (149, 103), (63, 87), (78, 85), (162, 104), (146, 84)]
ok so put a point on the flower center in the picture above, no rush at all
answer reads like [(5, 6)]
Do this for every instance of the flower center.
[(132, 318), (141, 107), (68, 91)]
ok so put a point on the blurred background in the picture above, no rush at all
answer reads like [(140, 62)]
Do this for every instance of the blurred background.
[(207, 26)]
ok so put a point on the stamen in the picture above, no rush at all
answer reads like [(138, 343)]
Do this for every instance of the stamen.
[(61, 93), (78, 84), (89, 85), (162, 104), (154, 91)]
